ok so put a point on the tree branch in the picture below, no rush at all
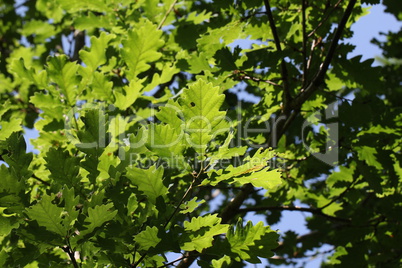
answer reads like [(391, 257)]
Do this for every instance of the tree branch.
[(70, 254), (324, 19), (284, 72), (319, 78), (233, 207), (79, 43)]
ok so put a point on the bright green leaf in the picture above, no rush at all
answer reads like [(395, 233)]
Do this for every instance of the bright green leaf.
[(48, 215), (141, 47), (148, 238), (97, 216)]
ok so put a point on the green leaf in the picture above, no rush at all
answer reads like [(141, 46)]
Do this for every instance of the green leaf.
[(149, 181), (263, 178), (224, 152), (227, 34), (19, 69), (148, 238), (141, 47), (7, 128), (129, 95), (92, 134), (222, 262), (368, 154), (165, 142), (17, 158), (79, 5), (98, 216), (102, 87), (63, 167), (253, 170), (191, 205), (90, 21), (50, 105), (200, 106), (70, 203), (7, 224), (201, 231), (11, 188), (96, 56), (106, 161), (40, 29), (48, 215), (248, 242), (171, 114), (51, 9), (64, 73)]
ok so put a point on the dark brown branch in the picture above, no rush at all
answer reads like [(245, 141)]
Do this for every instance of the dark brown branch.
[(79, 43), (314, 211), (324, 19), (284, 72), (232, 208), (319, 78), (70, 254)]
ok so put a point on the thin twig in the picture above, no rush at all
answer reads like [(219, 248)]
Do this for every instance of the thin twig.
[(166, 14), (341, 194), (244, 76), (180, 203), (172, 262)]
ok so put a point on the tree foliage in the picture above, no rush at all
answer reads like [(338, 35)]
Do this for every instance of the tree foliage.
[(150, 144)]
